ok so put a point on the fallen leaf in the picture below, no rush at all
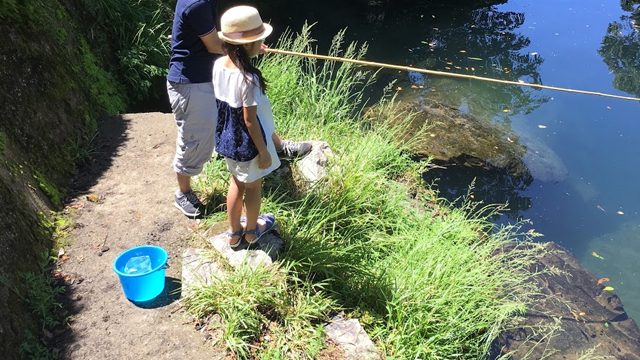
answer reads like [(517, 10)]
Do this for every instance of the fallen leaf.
[(608, 288), (603, 280), (93, 198), (596, 255), (77, 205), (542, 126)]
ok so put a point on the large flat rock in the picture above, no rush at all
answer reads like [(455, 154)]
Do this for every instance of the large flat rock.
[(589, 321)]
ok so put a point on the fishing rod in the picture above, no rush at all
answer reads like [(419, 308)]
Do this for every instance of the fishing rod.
[(446, 74)]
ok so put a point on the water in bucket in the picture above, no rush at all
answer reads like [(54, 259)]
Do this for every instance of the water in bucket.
[(138, 265)]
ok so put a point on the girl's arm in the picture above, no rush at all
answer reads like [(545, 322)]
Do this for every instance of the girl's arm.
[(251, 120)]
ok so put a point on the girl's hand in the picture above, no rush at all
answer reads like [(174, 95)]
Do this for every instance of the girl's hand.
[(264, 160), (263, 49)]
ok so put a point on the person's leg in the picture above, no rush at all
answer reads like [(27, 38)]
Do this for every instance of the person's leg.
[(290, 149), (234, 209), (277, 142), (252, 202), (195, 112), (184, 183)]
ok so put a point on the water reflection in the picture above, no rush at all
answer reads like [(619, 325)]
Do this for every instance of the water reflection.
[(621, 48), (485, 44)]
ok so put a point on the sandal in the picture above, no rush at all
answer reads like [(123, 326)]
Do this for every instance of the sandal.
[(269, 221), (232, 234)]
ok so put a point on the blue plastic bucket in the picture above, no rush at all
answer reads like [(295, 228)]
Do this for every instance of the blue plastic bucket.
[(142, 286)]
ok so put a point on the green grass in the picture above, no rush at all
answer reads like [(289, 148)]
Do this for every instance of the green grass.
[(52, 192), (42, 295), (429, 281)]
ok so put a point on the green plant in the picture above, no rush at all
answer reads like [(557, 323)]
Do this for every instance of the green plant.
[(102, 85), (34, 348), (52, 192), (130, 39), (435, 282), (41, 294)]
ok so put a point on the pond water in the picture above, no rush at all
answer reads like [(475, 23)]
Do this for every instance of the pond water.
[(583, 150)]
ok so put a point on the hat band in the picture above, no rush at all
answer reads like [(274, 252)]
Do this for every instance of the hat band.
[(244, 34)]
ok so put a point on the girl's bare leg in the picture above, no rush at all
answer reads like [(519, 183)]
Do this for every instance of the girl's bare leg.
[(252, 202), (234, 206)]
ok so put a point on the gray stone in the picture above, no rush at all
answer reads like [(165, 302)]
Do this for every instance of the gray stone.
[(313, 166), (264, 252), (591, 323), (352, 339), (199, 268)]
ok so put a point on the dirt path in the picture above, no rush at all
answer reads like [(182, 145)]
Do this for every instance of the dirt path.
[(132, 177)]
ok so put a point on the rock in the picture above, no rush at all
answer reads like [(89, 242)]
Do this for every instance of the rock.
[(313, 166), (591, 321), (543, 163), (264, 252), (199, 269), (352, 339), (451, 137)]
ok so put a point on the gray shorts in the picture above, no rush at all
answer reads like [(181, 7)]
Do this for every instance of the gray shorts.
[(196, 113)]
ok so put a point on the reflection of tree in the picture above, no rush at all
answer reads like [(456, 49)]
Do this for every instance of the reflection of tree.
[(621, 49), (483, 43)]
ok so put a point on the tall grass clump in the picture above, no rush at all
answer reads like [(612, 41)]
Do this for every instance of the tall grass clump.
[(265, 303), (131, 38), (435, 282)]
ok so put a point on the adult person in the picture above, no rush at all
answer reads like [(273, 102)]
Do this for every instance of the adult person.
[(194, 47)]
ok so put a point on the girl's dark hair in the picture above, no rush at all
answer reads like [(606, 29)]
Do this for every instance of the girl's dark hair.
[(240, 58)]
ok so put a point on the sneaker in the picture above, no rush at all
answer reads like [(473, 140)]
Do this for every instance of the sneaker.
[(188, 203), (294, 149)]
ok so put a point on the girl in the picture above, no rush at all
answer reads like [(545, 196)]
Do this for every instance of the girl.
[(240, 95)]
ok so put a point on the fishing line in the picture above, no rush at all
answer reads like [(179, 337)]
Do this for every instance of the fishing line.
[(447, 74)]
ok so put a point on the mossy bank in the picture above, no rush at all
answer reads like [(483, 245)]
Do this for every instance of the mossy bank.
[(56, 83)]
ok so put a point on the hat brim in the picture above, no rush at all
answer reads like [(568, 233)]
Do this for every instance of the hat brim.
[(249, 39)]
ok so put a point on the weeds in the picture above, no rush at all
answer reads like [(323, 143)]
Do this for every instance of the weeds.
[(52, 192), (429, 283)]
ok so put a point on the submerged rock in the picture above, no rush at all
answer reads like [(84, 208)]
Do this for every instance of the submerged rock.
[(543, 163), (572, 318), (451, 137)]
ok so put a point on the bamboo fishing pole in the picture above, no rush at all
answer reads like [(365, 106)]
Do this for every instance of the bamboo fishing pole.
[(446, 74)]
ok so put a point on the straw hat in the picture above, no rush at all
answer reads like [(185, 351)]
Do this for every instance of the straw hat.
[(243, 25)]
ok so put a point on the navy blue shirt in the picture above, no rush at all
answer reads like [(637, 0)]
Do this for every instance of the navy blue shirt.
[(190, 61)]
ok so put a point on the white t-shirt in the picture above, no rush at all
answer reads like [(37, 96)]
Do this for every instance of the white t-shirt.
[(231, 87)]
